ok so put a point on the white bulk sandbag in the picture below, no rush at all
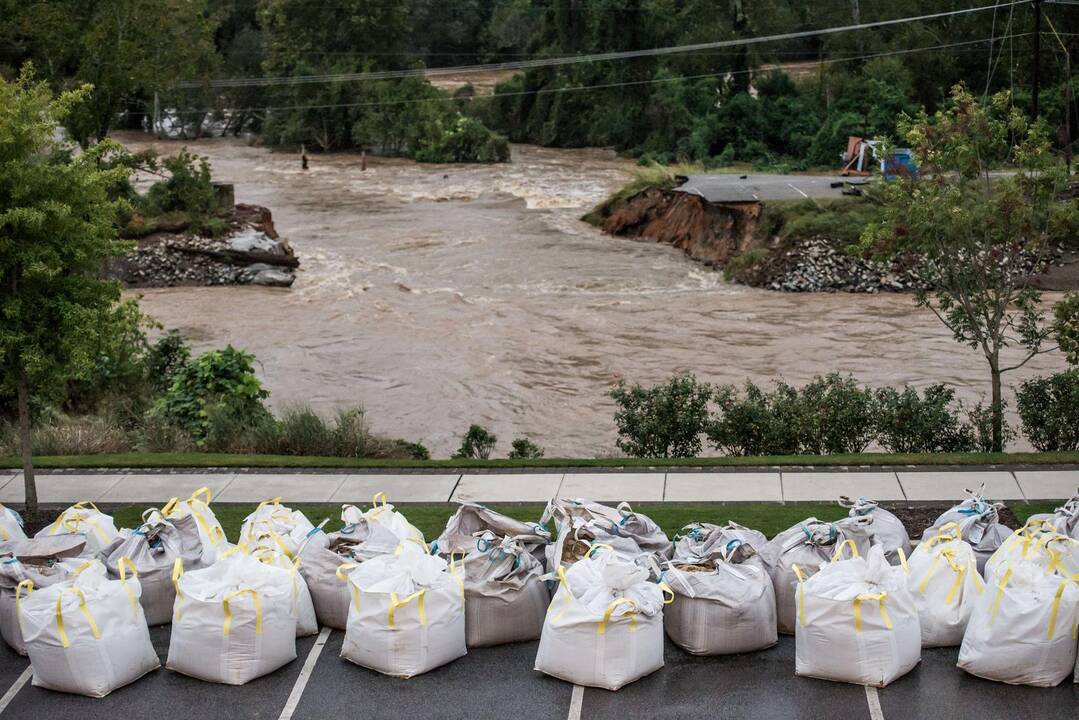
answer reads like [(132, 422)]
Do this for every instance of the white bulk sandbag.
[(33, 564), (84, 518), (857, 622), (197, 506), (287, 526), (154, 548), (384, 514), (944, 582), (700, 540), (506, 597), (1022, 631), (233, 621), (470, 519), (302, 605), (325, 558), (582, 523), (979, 524), (1039, 543), (604, 627), (808, 544), (728, 609), (87, 635), (1065, 519), (407, 614), (887, 530), (10, 525)]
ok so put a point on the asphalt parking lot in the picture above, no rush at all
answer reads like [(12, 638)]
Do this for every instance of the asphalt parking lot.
[(500, 683)]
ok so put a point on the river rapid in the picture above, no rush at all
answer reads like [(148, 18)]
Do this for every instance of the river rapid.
[(437, 296)]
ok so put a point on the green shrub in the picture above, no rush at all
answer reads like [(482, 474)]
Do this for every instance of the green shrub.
[(1066, 326), (525, 448), (84, 435), (412, 450), (187, 189), (838, 417), (744, 261), (223, 380), (666, 420), (909, 423), (758, 422), (1049, 411), (477, 443)]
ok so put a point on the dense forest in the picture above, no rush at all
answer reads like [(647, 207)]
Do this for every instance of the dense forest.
[(789, 102)]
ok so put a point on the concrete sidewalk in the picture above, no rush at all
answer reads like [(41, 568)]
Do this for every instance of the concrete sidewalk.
[(912, 485)]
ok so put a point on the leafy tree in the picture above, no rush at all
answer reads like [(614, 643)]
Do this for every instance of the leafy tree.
[(665, 420), (981, 238), (57, 229)]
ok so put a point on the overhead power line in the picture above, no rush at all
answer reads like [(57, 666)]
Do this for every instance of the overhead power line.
[(576, 59), (579, 88)]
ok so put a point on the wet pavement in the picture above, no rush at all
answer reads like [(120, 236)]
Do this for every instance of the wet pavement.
[(500, 683)]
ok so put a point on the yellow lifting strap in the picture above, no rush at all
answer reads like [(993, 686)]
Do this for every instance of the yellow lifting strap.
[(124, 564), (903, 560), (602, 629), (395, 603), (1056, 607), (376, 508), (82, 607), (879, 597), (1000, 594), (839, 550), (666, 590), (454, 568), (564, 583), (29, 585), (177, 573), (801, 593), (228, 612)]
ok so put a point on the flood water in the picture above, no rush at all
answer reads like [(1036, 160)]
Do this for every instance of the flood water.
[(438, 296)]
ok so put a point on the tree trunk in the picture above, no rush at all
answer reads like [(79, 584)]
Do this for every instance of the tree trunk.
[(997, 408), (26, 446)]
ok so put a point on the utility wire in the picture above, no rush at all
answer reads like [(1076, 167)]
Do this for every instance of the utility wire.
[(577, 88), (575, 59)]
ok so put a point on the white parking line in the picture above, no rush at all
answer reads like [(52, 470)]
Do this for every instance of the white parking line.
[(576, 700), (873, 698), (305, 675), (15, 688)]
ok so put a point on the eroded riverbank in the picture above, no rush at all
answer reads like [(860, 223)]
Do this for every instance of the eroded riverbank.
[(438, 296)]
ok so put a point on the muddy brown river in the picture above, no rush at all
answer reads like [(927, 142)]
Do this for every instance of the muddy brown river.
[(437, 296)]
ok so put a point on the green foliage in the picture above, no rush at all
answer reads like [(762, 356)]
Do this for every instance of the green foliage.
[(58, 319), (1049, 411), (187, 189), (525, 448), (1066, 326), (980, 419), (838, 416), (167, 356), (744, 261), (830, 415), (218, 386), (665, 420), (411, 450), (465, 140), (911, 423), (980, 237), (759, 422), (478, 442)]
